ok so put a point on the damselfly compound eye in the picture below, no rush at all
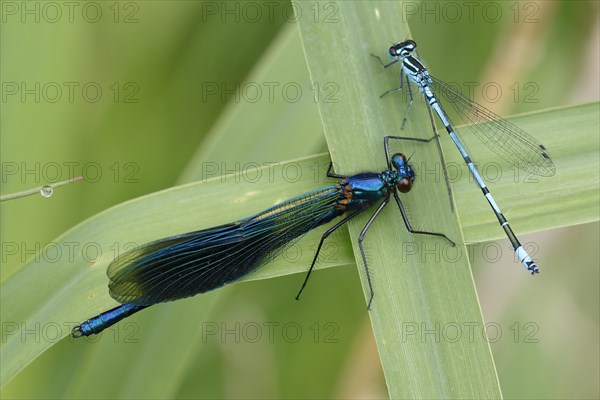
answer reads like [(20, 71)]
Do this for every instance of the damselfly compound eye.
[(404, 185)]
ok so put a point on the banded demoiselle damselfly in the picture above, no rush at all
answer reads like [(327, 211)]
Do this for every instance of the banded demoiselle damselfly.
[(196, 262)]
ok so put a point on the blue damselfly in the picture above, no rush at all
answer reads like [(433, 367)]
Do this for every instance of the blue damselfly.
[(504, 138)]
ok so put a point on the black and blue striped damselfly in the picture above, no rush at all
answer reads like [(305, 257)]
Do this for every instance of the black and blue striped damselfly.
[(196, 262), (504, 138)]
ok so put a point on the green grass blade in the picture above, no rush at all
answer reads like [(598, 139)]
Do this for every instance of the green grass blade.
[(410, 295)]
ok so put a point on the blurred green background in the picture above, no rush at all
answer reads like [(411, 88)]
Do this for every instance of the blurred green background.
[(157, 64)]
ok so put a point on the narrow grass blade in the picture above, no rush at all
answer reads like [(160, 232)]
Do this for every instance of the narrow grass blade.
[(423, 286)]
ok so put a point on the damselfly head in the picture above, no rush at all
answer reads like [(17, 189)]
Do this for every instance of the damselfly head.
[(399, 161), (406, 175), (402, 49)]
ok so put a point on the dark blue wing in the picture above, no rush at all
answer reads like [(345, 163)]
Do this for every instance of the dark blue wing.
[(196, 262)]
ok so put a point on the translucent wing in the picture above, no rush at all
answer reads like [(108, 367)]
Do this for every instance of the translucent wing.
[(504, 138), (196, 262)]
